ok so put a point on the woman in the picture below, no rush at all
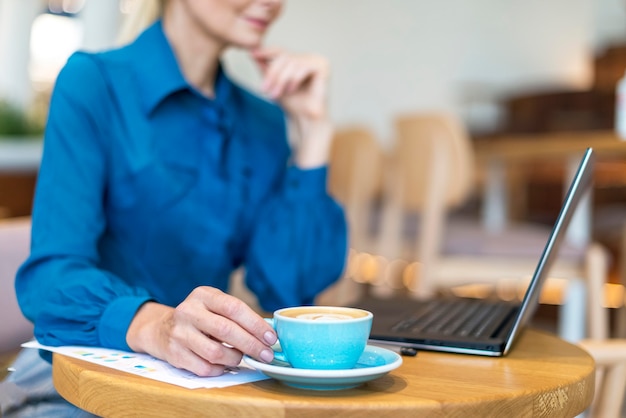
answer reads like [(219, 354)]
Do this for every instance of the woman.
[(160, 176)]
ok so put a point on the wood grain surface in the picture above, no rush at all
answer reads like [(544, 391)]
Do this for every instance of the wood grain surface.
[(543, 376)]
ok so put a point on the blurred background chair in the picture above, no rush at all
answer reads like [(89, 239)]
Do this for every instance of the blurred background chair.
[(430, 181), (429, 174), (355, 181), (609, 353), (14, 248), (619, 328)]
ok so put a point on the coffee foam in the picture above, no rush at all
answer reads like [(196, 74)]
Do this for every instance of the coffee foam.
[(324, 316)]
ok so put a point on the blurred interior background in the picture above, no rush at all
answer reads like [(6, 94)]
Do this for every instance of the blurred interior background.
[(499, 67), (466, 56)]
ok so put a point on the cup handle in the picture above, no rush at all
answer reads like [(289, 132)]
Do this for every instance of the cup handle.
[(278, 351)]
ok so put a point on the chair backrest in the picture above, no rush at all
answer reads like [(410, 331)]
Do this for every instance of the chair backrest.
[(432, 143), (432, 172), (355, 164), (14, 249), (354, 177)]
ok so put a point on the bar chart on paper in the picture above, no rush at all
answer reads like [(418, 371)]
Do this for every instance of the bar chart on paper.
[(153, 368)]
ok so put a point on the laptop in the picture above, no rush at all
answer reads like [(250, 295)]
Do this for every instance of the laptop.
[(474, 326)]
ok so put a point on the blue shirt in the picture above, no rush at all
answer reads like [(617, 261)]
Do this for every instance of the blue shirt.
[(147, 189)]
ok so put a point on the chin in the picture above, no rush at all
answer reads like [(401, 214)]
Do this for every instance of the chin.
[(247, 38), (248, 44)]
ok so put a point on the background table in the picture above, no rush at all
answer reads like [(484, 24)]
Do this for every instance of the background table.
[(498, 154), (542, 376)]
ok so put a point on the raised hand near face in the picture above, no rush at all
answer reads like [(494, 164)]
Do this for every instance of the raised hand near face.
[(299, 83)]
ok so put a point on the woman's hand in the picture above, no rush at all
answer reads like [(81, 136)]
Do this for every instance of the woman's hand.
[(206, 333), (299, 82)]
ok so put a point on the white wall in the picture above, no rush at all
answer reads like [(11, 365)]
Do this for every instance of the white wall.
[(609, 22), (397, 56), (460, 55)]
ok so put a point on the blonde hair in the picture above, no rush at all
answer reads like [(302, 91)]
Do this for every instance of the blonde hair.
[(142, 14)]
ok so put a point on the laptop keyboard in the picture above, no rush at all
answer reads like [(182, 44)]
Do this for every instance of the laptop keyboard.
[(477, 318)]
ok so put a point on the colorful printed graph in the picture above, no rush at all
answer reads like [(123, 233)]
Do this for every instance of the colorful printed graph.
[(150, 367)]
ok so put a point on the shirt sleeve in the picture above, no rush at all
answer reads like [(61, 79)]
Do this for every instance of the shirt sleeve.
[(60, 287), (299, 246)]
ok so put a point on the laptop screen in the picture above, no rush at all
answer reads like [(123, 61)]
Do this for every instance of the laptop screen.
[(579, 186)]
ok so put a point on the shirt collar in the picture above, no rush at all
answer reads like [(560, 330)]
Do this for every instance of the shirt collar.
[(158, 72)]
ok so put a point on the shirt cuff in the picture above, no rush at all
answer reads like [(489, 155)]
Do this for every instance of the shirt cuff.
[(304, 184), (116, 319)]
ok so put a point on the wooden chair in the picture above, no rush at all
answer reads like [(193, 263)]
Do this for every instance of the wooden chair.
[(609, 353), (430, 172), (354, 179), (620, 314), (14, 248)]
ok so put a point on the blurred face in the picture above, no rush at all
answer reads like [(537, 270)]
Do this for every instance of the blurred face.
[(241, 23)]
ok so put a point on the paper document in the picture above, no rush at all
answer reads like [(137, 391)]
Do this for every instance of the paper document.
[(152, 368)]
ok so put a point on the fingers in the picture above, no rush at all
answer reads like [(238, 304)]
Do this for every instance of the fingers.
[(285, 77), (263, 56), (230, 309), (202, 355), (168, 334), (286, 73), (206, 333), (226, 320), (184, 358), (297, 75)]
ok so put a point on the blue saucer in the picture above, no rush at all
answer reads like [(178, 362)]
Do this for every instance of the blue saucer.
[(373, 363)]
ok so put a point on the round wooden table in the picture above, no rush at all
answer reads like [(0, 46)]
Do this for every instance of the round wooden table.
[(542, 376)]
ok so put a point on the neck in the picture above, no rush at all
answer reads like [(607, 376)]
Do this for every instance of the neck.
[(196, 51)]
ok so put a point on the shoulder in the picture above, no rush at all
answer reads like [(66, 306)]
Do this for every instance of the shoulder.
[(81, 68), (86, 87), (79, 85), (86, 71), (89, 66), (94, 78)]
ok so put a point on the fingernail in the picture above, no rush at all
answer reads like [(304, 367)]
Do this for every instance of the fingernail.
[(267, 356), (270, 338)]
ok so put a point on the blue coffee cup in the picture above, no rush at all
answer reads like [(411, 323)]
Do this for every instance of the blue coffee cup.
[(321, 337)]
